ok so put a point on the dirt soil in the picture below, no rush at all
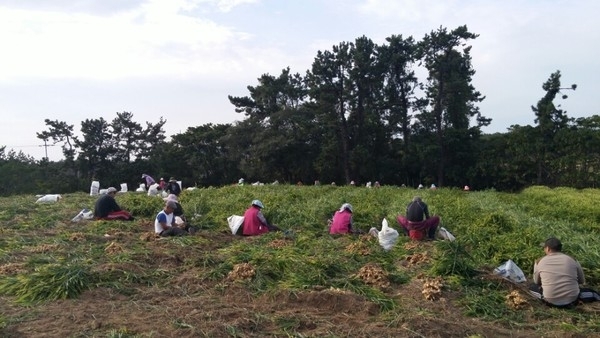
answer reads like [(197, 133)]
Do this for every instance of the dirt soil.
[(190, 307)]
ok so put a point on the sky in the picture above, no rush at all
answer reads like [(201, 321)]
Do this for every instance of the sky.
[(179, 59)]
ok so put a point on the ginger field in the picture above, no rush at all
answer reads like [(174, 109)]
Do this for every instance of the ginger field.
[(60, 278)]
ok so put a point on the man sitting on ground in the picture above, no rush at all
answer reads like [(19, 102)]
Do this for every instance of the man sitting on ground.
[(164, 224), (106, 207), (417, 224), (557, 276)]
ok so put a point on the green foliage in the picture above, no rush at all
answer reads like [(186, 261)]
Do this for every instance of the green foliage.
[(49, 282), (140, 205), (451, 258), (490, 227)]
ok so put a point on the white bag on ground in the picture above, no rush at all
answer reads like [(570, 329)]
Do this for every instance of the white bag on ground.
[(123, 187), (142, 188), (444, 234), (387, 236), (48, 199), (235, 222), (84, 214), (510, 271), (95, 188)]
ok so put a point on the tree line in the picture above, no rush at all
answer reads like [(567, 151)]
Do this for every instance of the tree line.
[(359, 114)]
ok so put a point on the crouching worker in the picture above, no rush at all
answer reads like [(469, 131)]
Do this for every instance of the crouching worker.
[(342, 221), (178, 212), (255, 222), (164, 224), (106, 208), (557, 277), (418, 224)]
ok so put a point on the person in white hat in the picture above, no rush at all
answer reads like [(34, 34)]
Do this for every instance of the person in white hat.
[(342, 220), (106, 207), (255, 222)]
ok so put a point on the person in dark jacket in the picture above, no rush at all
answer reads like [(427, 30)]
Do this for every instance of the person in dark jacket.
[(173, 187), (417, 223), (106, 207), (255, 222)]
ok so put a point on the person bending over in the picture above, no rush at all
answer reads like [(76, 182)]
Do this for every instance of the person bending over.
[(342, 220)]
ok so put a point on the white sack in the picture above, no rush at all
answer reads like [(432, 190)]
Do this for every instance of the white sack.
[(153, 190), (179, 220), (123, 187), (142, 188), (510, 271), (103, 191), (387, 236), (84, 214), (235, 222), (444, 234), (95, 188), (48, 199)]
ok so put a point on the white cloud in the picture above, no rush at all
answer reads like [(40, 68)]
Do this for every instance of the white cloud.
[(159, 38)]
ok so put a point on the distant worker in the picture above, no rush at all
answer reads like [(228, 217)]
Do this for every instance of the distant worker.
[(417, 223), (342, 221), (148, 180), (173, 187), (164, 223), (106, 208), (255, 222), (162, 184)]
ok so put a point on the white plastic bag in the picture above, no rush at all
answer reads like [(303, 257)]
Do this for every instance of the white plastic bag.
[(142, 188), (153, 190), (84, 214), (510, 271), (235, 222), (48, 199), (95, 188), (444, 234), (387, 236), (123, 187)]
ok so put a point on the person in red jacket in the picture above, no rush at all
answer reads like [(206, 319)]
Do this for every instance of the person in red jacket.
[(417, 223), (255, 222), (342, 220)]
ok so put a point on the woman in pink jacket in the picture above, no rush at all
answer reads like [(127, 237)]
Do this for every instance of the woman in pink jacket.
[(255, 222), (342, 220)]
